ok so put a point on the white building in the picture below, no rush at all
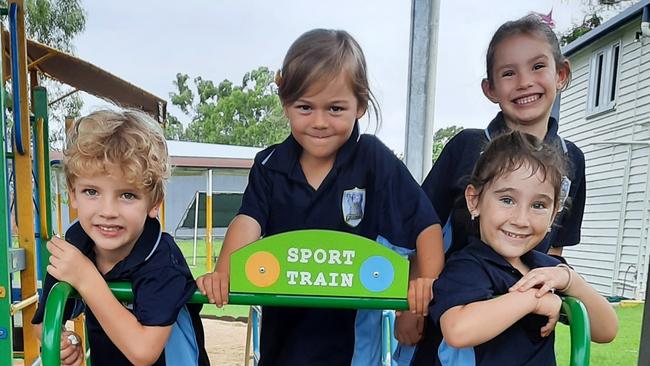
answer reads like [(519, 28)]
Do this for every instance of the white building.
[(606, 112)]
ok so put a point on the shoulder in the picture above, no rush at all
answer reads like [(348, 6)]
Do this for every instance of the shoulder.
[(469, 140), (165, 257), (263, 156), (575, 152)]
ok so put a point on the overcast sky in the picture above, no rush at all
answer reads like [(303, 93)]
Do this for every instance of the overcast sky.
[(148, 42)]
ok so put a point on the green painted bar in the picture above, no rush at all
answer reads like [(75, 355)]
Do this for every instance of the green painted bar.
[(52, 322), (580, 331), (42, 157), (6, 331)]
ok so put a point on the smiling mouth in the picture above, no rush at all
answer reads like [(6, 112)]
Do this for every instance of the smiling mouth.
[(527, 99), (514, 235), (111, 229)]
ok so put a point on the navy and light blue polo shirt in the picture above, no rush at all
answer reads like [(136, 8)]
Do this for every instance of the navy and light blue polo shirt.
[(478, 273), (368, 192), (446, 182), (162, 284)]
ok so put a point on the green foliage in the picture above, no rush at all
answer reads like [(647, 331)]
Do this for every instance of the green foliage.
[(441, 137), (590, 22), (596, 12), (247, 115), (55, 23)]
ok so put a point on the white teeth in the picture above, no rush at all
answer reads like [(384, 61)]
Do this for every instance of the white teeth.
[(107, 228), (527, 100), (513, 235)]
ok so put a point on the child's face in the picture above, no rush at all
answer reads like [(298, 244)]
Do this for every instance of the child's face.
[(111, 211), (525, 80), (322, 119), (515, 211)]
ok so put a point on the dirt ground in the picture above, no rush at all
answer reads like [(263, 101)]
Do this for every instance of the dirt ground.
[(225, 342)]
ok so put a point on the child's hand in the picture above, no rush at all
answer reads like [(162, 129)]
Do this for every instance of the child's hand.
[(548, 279), (67, 263), (548, 305), (215, 286), (408, 327), (71, 349), (420, 294)]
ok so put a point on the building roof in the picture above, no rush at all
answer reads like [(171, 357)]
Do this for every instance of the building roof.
[(604, 29), (86, 77), (201, 155)]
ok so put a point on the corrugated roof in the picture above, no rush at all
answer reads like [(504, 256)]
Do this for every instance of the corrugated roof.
[(87, 77), (602, 30)]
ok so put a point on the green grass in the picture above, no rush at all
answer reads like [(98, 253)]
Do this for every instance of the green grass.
[(624, 350), (228, 311)]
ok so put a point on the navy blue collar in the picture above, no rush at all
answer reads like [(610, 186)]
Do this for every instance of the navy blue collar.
[(285, 157), (498, 127), (143, 249), (532, 259)]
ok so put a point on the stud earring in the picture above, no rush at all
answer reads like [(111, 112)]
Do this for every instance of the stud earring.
[(474, 216)]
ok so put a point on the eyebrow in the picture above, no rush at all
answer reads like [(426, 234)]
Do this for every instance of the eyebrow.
[(531, 60), (508, 189)]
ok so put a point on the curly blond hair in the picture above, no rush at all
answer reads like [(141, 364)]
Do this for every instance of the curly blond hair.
[(129, 139)]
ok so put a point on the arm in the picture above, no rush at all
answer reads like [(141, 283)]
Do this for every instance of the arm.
[(68, 264), (478, 322), (602, 318), (242, 231), (430, 259)]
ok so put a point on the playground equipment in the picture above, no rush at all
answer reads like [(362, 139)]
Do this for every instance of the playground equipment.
[(314, 268), (24, 156)]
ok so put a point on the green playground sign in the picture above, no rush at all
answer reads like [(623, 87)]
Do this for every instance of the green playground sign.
[(319, 263)]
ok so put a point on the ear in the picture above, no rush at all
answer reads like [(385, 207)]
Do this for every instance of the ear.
[(153, 212), (361, 112), (562, 77), (72, 197), (488, 92), (472, 198)]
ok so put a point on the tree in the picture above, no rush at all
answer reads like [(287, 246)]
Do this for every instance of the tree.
[(441, 137), (248, 115), (596, 11), (56, 23)]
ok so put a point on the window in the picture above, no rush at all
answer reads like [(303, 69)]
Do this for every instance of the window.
[(603, 79)]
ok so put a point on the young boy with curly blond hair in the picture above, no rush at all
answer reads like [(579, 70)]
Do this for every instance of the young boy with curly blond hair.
[(116, 165)]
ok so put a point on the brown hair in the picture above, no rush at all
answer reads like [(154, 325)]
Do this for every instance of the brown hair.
[(317, 57), (532, 25), (511, 151), (130, 139)]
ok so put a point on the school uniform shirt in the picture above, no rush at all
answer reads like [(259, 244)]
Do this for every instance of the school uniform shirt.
[(368, 192), (478, 273), (445, 184), (162, 284)]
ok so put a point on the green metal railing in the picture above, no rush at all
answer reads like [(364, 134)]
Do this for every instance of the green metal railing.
[(571, 307)]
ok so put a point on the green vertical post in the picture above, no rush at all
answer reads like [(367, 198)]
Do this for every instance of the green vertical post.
[(6, 336), (42, 168)]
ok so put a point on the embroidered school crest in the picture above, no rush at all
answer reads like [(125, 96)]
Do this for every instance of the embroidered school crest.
[(353, 204)]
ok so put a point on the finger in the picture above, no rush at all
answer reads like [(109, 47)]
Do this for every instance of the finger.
[(200, 285), (411, 297), (422, 297), (546, 287), (224, 289), (420, 326)]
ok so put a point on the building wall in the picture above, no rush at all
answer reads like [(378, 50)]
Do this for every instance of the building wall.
[(614, 245)]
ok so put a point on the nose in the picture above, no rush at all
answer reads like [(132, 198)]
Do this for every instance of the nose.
[(319, 120), (525, 80), (108, 208), (519, 217)]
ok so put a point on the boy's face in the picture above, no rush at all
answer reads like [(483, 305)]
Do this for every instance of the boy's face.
[(525, 80), (111, 211), (515, 212)]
